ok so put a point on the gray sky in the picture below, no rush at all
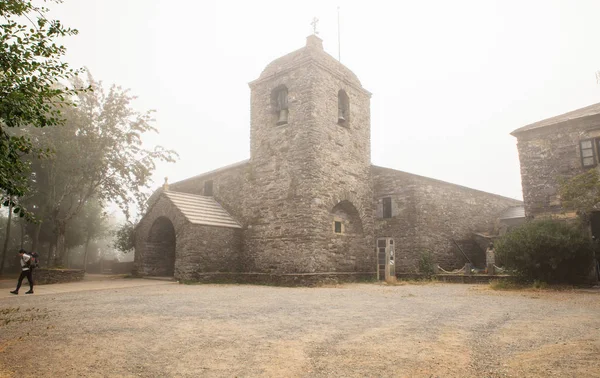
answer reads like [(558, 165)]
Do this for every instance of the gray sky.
[(450, 80)]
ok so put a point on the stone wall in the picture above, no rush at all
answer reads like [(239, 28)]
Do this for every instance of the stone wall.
[(428, 214), (207, 249), (43, 276), (285, 279), (230, 187), (548, 153)]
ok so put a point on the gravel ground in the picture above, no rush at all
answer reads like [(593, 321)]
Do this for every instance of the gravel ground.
[(358, 330)]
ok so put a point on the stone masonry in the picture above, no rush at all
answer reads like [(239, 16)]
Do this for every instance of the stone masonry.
[(430, 215), (550, 149), (308, 200)]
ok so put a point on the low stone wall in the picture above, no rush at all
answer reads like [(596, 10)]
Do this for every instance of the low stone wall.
[(301, 279), (44, 276)]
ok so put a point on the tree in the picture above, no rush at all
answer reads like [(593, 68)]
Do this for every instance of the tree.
[(98, 155), (32, 86), (124, 237), (581, 193), (94, 224)]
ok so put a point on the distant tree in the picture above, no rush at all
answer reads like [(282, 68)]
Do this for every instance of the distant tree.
[(32, 87), (124, 237), (95, 225)]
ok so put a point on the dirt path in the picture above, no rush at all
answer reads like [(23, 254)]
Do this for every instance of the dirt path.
[(352, 331)]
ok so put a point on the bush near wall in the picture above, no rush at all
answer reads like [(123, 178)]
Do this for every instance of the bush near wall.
[(548, 250)]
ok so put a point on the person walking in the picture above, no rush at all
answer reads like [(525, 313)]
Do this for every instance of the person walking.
[(26, 271)]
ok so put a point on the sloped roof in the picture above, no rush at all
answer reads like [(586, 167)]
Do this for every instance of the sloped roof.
[(201, 209), (513, 212), (575, 114)]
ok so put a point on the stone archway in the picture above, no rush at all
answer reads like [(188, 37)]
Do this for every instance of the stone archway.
[(159, 257), (345, 212)]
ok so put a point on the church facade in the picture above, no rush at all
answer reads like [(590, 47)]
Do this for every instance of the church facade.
[(308, 204)]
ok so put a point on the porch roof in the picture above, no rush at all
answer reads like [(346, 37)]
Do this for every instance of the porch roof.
[(201, 209)]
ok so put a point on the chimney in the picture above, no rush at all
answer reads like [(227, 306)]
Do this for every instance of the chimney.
[(314, 42)]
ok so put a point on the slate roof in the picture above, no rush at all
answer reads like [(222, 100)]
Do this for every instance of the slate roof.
[(575, 114), (201, 209), (513, 212)]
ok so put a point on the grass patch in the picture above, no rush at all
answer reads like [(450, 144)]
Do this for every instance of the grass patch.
[(536, 285), (506, 285)]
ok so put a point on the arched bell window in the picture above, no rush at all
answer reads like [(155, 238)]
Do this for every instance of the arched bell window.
[(343, 108), (279, 100)]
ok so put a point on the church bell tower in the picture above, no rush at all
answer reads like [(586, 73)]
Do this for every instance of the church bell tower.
[(310, 166)]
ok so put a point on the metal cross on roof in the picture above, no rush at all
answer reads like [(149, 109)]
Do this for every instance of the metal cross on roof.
[(314, 23)]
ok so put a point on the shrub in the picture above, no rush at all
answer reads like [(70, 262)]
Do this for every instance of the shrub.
[(548, 251), (426, 263)]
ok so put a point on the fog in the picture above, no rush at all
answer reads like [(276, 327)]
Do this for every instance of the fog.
[(450, 80)]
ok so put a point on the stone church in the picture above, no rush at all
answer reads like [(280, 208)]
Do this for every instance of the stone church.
[(308, 204)]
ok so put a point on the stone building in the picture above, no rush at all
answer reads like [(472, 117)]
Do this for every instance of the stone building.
[(309, 204), (562, 146)]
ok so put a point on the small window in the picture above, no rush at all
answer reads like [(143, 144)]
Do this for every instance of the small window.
[(337, 227), (387, 207), (343, 108), (588, 154), (208, 188)]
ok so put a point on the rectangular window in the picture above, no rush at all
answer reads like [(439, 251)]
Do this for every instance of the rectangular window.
[(208, 188), (387, 207), (588, 154), (337, 227)]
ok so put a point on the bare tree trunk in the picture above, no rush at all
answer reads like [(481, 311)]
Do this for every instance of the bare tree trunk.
[(36, 237), (22, 225), (51, 248), (7, 236), (68, 257), (85, 253), (61, 229)]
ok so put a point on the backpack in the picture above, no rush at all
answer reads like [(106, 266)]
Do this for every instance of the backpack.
[(34, 260)]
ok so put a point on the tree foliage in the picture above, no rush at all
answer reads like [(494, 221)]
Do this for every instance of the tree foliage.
[(547, 250), (32, 85), (581, 193), (98, 155), (124, 237)]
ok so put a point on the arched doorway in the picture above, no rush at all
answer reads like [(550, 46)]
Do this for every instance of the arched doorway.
[(348, 239), (159, 258)]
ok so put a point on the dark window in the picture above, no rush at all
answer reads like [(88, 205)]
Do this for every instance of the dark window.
[(588, 154), (338, 227), (208, 188), (387, 207)]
